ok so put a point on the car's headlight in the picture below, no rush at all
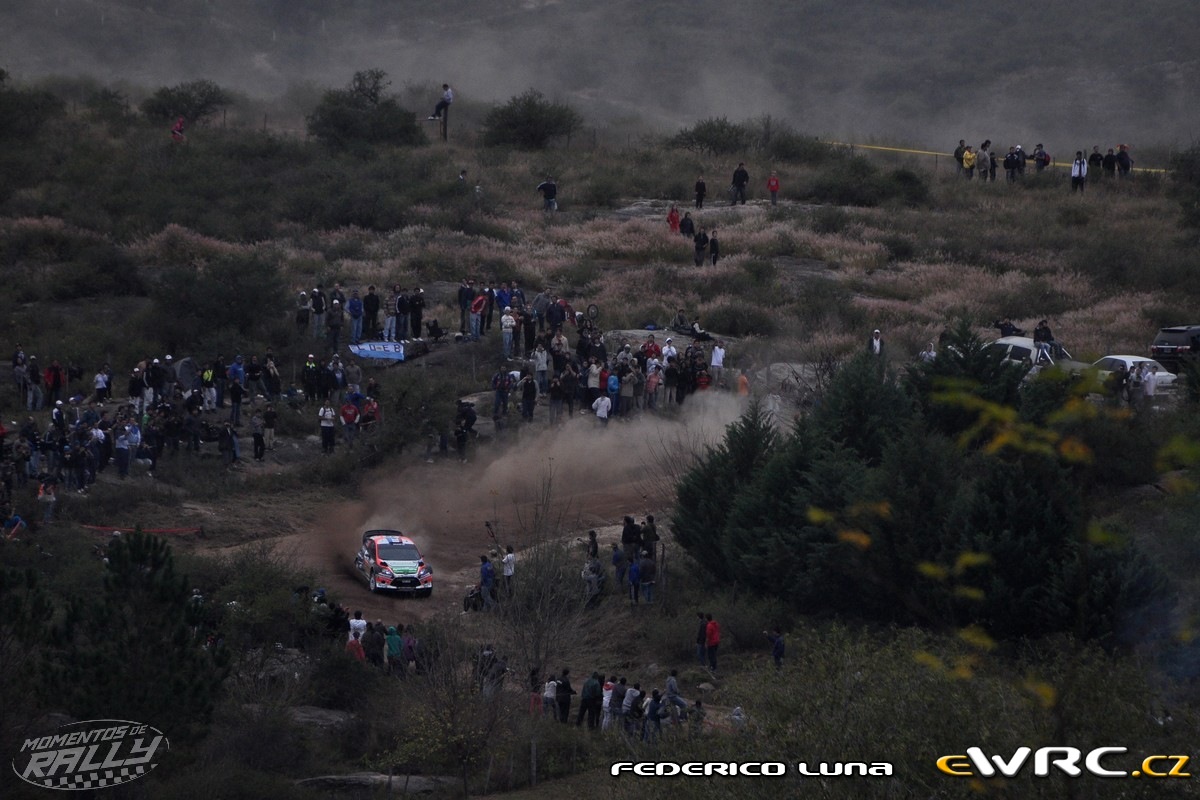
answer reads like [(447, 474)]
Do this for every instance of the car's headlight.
[(386, 572), (424, 572)]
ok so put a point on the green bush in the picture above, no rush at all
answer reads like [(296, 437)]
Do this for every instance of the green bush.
[(867, 510), (857, 182), (362, 115), (530, 122), (23, 112), (740, 319), (233, 294), (714, 136), (830, 220), (1185, 186), (195, 101), (797, 148)]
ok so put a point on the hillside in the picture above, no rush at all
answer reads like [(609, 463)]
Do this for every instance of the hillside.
[(927, 72), (958, 551)]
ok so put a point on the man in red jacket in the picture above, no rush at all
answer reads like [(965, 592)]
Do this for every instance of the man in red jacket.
[(350, 416), (354, 647), (712, 640), (773, 187)]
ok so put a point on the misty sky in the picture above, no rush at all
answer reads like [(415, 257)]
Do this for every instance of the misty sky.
[(925, 72)]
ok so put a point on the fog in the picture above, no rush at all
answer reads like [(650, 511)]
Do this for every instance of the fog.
[(923, 73)]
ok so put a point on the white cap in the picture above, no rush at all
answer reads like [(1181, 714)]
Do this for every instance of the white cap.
[(58, 402), (155, 361)]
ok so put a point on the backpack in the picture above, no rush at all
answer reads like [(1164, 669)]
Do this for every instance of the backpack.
[(1010, 161), (1045, 159)]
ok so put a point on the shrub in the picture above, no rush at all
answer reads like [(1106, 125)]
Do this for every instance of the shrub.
[(830, 220), (529, 121), (1185, 186), (713, 136), (907, 186), (110, 107), (795, 147), (740, 319), (231, 294), (603, 190), (23, 112), (856, 182), (899, 248), (362, 115), (195, 101)]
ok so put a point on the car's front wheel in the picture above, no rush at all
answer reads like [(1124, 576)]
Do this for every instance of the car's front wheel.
[(426, 592), (372, 583)]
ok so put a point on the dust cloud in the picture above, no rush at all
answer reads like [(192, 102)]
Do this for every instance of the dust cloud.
[(597, 475), (903, 72)]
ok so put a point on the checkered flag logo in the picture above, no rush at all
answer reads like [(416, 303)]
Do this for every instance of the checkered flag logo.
[(98, 779), (90, 755)]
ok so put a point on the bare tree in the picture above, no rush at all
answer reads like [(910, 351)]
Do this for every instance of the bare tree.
[(546, 603), (457, 718)]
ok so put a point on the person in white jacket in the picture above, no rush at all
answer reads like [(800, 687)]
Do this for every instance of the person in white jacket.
[(1079, 168), (444, 103)]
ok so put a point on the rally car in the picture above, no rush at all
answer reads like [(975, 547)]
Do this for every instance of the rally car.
[(390, 561)]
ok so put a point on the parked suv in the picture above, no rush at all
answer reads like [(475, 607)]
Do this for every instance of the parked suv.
[(1174, 343)]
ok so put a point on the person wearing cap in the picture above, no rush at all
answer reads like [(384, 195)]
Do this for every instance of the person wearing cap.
[(1011, 161), (303, 311), (1022, 159), (507, 324), (134, 389), (875, 343), (416, 310), (333, 322), (33, 379), (318, 305), (311, 377), (669, 351)]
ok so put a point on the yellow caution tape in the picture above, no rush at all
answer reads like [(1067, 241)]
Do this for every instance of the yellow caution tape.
[(951, 155)]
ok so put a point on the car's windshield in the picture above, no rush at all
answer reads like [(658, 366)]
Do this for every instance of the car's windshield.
[(398, 552)]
